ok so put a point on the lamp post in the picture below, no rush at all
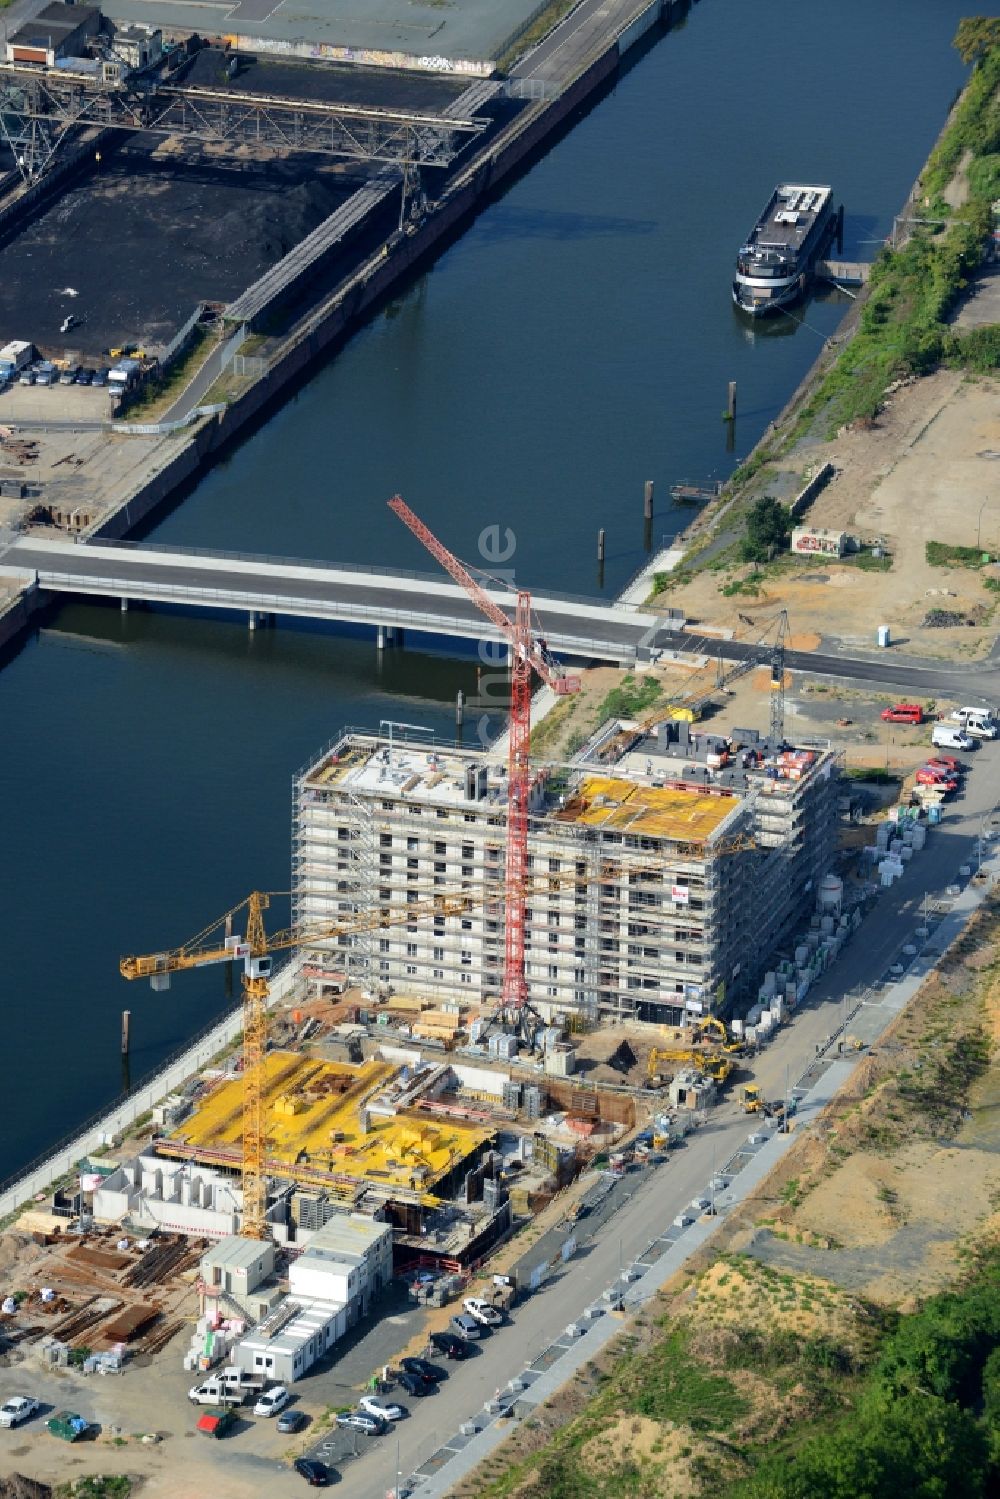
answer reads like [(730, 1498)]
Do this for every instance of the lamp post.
[(979, 524)]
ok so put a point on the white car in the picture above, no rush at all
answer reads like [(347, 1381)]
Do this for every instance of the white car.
[(17, 1409), (382, 1410), (272, 1401), (482, 1311)]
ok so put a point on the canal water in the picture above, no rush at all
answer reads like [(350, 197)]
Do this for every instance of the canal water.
[(576, 341)]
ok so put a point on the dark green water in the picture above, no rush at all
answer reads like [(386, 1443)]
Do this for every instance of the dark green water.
[(575, 342)]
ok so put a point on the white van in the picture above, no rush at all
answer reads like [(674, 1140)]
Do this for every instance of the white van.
[(975, 721), (950, 736)]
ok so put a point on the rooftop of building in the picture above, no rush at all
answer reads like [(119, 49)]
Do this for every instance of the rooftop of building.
[(292, 1324), (236, 1253), (627, 806), (53, 24), (417, 773), (385, 32), (345, 1239), (339, 1118)]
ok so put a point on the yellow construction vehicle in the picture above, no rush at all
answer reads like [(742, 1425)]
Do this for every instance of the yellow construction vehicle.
[(713, 1029), (713, 1064), (754, 1102)]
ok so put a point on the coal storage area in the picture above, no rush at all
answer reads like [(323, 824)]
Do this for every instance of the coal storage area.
[(132, 248)]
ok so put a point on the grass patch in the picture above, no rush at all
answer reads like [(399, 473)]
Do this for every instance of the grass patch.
[(668, 1384), (865, 562), (629, 698), (553, 724), (940, 554), (102, 1486), (750, 587)]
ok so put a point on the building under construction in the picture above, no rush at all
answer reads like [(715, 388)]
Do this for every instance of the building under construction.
[(657, 888)]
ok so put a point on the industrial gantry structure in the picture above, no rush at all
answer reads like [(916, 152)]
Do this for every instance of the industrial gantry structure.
[(39, 107)]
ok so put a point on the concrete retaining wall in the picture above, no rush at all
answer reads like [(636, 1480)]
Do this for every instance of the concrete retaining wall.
[(805, 497), (16, 613)]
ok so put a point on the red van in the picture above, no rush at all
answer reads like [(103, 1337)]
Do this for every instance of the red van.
[(903, 713)]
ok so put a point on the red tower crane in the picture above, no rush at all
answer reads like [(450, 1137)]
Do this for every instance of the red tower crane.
[(527, 653)]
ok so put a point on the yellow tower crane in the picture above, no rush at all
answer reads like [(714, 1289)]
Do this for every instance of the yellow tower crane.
[(217, 944)]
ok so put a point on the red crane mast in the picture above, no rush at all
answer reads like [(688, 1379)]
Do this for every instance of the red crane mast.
[(527, 654)]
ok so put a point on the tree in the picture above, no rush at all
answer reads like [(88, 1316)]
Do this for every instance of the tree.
[(976, 35), (769, 525)]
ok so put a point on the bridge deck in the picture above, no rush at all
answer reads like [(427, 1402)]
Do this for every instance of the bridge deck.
[(597, 630)]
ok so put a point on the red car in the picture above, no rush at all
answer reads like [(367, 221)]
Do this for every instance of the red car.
[(946, 763), (903, 713), (928, 776)]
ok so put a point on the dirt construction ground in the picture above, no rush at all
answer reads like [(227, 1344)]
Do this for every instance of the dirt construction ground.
[(928, 471)]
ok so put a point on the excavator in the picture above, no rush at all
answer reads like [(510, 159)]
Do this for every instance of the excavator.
[(713, 1064), (713, 1030)]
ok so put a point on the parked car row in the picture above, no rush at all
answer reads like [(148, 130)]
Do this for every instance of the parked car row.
[(43, 372)]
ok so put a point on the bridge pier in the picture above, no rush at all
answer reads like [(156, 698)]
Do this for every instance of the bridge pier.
[(387, 635), (124, 605)]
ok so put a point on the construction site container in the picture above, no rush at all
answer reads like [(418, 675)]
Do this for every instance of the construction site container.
[(67, 1426), (216, 1422)]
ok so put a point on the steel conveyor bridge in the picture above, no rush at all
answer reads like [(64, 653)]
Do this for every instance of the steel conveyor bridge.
[(39, 107)]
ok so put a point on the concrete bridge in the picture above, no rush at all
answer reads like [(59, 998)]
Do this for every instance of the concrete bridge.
[(389, 602)]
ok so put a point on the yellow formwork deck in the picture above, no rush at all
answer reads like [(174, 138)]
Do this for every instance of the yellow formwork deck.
[(315, 1114), (653, 811)]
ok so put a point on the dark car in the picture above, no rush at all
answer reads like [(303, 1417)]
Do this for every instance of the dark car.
[(313, 1471), (291, 1421), (425, 1370), (450, 1345), (84, 377), (415, 1384), (100, 377)]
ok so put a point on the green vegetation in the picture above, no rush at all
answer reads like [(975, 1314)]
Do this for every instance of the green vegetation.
[(902, 327), (629, 698), (867, 562), (769, 525), (552, 724), (975, 125), (748, 586), (976, 36), (926, 1419), (940, 554), (106, 1486), (900, 1405)]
